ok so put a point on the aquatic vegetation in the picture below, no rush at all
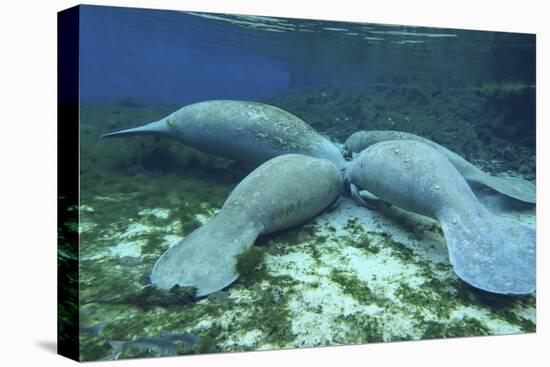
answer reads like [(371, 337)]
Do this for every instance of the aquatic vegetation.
[(317, 284), (249, 263), (67, 266), (149, 297), (504, 88), (416, 108), (352, 285), (466, 326), (221, 298)]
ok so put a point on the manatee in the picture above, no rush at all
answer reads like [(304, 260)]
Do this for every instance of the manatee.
[(487, 251), (516, 188), (250, 132), (282, 192)]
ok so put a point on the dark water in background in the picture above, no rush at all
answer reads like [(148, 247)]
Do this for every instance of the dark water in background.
[(176, 57), (172, 57), (473, 92)]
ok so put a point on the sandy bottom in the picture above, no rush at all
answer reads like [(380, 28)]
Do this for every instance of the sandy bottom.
[(351, 275)]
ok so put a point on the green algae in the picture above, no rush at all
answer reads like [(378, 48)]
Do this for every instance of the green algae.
[(417, 109), (440, 294), (152, 246), (209, 341), (353, 226), (274, 316), (435, 228), (330, 228), (501, 89), (465, 327), (399, 250), (363, 328), (501, 307), (150, 297), (352, 285), (306, 238), (67, 266), (191, 187), (426, 298), (250, 265), (289, 237), (364, 242), (268, 312)]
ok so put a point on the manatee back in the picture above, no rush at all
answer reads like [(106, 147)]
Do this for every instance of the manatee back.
[(287, 191), (411, 175), (514, 187), (361, 140), (248, 131)]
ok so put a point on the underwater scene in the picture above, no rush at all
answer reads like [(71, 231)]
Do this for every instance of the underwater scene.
[(256, 183)]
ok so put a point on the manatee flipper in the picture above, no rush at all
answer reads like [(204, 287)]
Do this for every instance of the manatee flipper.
[(357, 197), (207, 258), (514, 187), (368, 196), (366, 199), (500, 258)]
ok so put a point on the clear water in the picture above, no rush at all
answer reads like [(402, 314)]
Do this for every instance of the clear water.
[(349, 275)]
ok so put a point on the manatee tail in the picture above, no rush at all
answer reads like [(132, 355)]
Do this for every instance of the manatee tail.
[(153, 128), (489, 252), (514, 187), (207, 258)]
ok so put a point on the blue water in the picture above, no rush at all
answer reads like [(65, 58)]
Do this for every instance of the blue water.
[(177, 57), (169, 57)]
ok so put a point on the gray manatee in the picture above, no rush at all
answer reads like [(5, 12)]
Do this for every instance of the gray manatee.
[(487, 251), (516, 188), (250, 132), (283, 192)]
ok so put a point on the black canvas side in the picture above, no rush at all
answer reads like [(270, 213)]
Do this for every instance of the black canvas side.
[(67, 181)]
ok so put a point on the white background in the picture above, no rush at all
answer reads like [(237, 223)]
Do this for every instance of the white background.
[(28, 181)]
